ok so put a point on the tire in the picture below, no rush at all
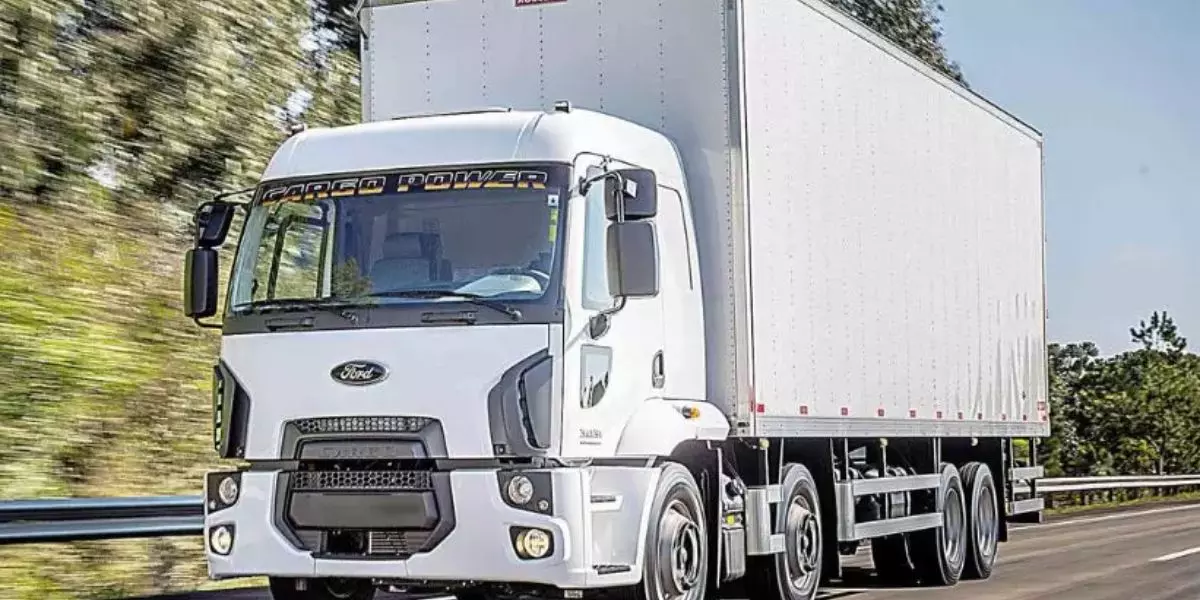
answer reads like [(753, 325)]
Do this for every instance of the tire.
[(321, 589), (983, 521), (939, 554), (676, 557), (795, 573)]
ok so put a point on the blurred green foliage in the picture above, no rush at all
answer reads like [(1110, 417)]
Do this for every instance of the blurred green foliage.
[(118, 117)]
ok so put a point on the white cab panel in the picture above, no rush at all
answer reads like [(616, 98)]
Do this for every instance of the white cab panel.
[(439, 372)]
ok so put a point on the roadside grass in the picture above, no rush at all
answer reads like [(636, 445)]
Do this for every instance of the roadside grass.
[(1071, 509)]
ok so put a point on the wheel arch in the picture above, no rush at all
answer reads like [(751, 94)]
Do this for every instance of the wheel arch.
[(660, 428)]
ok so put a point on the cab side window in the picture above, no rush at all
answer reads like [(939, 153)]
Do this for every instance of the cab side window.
[(596, 295)]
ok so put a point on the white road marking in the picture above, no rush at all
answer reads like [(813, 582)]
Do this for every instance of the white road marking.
[(1112, 517), (1175, 555)]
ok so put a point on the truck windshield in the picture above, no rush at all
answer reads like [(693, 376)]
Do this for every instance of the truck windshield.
[(399, 238)]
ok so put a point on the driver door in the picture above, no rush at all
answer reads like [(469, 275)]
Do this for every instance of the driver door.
[(606, 377)]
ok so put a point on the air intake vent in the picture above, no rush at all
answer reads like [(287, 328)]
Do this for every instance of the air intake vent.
[(349, 481), (362, 425), (395, 543)]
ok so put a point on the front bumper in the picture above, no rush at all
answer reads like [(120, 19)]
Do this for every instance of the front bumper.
[(597, 522)]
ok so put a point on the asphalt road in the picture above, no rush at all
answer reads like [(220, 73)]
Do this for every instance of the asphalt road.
[(1151, 554)]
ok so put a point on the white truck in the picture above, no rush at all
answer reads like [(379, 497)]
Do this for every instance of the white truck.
[(721, 290)]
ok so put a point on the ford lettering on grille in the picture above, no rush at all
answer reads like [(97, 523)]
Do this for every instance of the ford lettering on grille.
[(359, 372)]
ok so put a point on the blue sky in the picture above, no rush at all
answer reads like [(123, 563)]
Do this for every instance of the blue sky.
[(1114, 85)]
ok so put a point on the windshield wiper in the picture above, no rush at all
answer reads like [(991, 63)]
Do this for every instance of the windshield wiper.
[(298, 305), (475, 299)]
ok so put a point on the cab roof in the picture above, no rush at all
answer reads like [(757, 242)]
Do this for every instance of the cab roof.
[(492, 136)]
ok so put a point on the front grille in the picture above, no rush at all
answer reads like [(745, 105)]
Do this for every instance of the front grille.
[(322, 481), (361, 425), (395, 543)]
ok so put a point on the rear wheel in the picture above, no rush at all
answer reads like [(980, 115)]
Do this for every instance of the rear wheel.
[(321, 589), (939, 554), (795, 573), (983, 521)]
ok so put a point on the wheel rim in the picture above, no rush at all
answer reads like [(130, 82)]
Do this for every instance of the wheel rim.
[(985, 524), (952, 528), (680, 551), (803, 543)]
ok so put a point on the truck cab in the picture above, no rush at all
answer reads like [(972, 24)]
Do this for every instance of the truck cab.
[(420, 309)]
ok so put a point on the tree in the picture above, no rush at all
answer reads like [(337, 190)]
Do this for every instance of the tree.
[(1073, 369), (1160, 335), (1157, 392), (1134, 412), (912, 24)]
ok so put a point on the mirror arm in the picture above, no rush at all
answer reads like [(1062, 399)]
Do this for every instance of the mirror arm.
[(600, 320), (207, 325), (586, 183), (223, 195), (615, 308)]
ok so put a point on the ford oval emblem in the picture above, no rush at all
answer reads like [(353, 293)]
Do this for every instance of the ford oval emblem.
[(359, 372)]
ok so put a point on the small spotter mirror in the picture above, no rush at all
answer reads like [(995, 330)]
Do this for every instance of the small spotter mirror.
[(213, 220), (634, 190)]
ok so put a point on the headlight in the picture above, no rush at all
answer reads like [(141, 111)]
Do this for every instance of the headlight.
[(532, 543), (228, 490), (220, 540), (222, 489), (520, 490), (531, 490)]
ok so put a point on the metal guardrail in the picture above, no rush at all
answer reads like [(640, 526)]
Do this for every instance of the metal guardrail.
[(1051, 485), (81, 519)]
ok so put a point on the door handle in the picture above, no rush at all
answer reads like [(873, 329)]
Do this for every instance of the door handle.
[(658, 370)]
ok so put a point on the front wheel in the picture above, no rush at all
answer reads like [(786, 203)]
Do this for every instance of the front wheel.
[(321, 589), (676, 563), (795, 573)]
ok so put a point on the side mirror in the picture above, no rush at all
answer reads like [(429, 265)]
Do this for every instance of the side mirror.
[(200, 283), (633, 190), (213, 220), (632, 259)]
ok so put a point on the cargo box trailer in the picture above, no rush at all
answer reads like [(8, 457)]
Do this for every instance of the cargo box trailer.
[(663, 299)]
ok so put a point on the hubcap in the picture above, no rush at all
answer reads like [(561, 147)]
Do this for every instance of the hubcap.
[(952, 529), (679, 551), (803, 543), (985, 524)]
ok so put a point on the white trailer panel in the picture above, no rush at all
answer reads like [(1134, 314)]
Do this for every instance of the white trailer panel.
[(894, 223), (895, 238)]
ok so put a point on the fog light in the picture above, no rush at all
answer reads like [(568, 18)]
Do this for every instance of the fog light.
[(520, 489), (228, 490), (221, 540), (532, 543)]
